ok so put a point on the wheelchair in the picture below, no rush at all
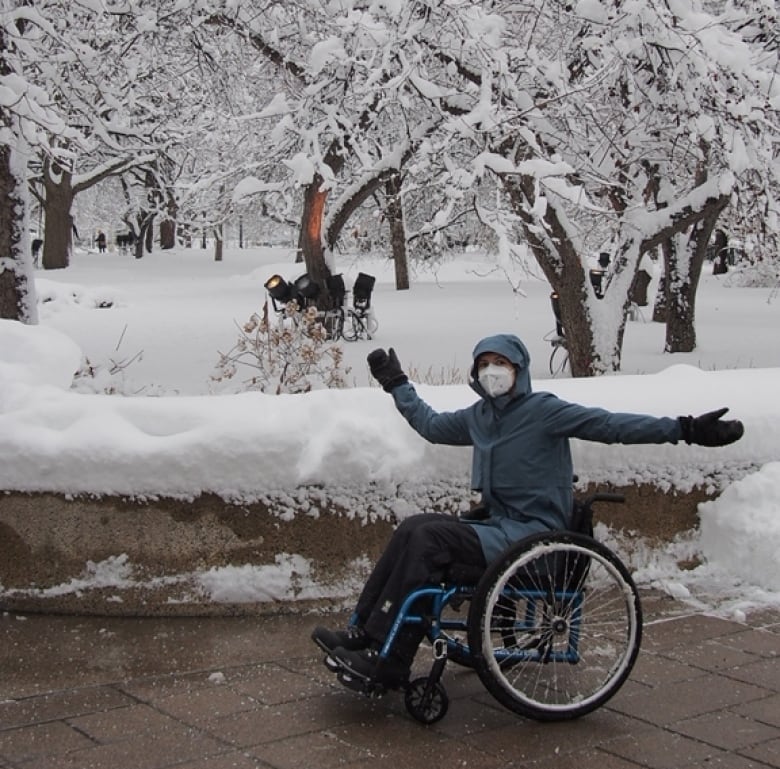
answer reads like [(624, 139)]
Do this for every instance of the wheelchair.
[(553, 627)]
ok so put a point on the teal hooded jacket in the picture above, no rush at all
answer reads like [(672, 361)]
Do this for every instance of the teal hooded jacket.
[(522, 463)]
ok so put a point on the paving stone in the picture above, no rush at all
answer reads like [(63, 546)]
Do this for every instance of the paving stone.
[(683, 631), (659, 749), (40, 740), (766, 752), (759, 641), (686, 699), (157, 752), (272, 684), (206, 705), (765, 710), (658, 669), (717, 654), (72, 702), (726, 730), (765, 673), (585, 759), (128, 723), (319, 749)]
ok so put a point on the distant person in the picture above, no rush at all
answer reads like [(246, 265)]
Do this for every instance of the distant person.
[(522, 467), (36, 250), (721, 251), (101, 241)]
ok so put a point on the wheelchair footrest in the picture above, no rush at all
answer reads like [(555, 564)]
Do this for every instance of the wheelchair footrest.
[(367, 686), (364, 686)]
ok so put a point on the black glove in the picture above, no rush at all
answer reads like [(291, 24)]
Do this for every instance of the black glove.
[(386, 369), (710, 430)]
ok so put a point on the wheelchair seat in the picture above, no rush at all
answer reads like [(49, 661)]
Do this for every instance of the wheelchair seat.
[(464, 574)]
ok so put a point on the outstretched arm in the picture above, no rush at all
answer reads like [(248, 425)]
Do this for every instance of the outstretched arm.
[(448, 427), (596, 424)]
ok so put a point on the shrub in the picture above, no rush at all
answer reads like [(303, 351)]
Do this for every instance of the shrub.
[(292, 354)]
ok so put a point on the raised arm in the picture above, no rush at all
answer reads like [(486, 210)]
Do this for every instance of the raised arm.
[(450, 428)]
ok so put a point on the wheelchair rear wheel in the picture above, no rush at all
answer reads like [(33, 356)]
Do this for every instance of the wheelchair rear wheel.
[(573, 633)]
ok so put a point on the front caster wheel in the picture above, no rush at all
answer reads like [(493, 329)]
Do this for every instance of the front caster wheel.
[(427, 704)]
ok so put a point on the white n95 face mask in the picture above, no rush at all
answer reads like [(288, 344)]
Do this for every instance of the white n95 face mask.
[(496, 380)]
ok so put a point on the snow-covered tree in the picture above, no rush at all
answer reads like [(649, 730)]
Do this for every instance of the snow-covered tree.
[(112, 70), (27, 116), (617, 127), (348, 117), (609, 126)]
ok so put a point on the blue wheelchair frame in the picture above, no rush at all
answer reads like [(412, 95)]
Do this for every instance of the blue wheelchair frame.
[(435, 624)]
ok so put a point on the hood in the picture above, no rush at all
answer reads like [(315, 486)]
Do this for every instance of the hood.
[(512, 349)]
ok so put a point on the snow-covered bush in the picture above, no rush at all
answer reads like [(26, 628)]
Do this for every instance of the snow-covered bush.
[(291, 355), (758, 274)]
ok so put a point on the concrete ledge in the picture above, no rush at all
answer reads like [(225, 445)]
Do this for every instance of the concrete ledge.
[(113, 556)]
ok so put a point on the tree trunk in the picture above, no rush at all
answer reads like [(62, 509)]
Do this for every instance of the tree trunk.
[(681, 299), (310, 248), (148, 237), (143, 229), (683, 270), (661, 306), (17, 288), (58, 225), (395, 219), (168, 234), (218, 250)]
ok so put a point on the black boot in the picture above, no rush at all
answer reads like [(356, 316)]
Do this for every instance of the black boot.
[(354, 638), (391, 671)]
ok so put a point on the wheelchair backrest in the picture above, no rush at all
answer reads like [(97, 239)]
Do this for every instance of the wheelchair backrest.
[(581, 518)]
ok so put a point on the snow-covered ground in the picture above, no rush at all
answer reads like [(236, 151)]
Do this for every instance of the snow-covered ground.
[(160, 321)]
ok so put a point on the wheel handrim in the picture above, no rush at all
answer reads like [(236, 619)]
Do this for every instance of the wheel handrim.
[(551, 673)]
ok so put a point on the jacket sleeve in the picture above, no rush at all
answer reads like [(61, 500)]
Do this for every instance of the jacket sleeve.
[(597, 424), (449, 427)]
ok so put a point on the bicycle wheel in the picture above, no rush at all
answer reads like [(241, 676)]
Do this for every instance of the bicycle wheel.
[(577, 626), (559, 360), (333, 321), (351, 327)]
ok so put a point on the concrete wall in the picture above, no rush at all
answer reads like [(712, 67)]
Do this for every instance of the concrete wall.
[(47, 542)]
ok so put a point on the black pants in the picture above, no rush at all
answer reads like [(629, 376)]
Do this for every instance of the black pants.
[(419, 553)]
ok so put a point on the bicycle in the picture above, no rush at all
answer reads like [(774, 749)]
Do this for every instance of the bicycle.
[(559, 358)]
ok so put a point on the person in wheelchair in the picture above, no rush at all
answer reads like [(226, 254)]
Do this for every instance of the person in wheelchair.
[(522, 466)]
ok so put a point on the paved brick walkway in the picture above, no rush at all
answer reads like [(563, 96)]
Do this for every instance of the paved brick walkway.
[(94, 693)]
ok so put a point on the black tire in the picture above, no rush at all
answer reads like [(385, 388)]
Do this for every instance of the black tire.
[(559, 360), (427, 708), (578, 625)]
